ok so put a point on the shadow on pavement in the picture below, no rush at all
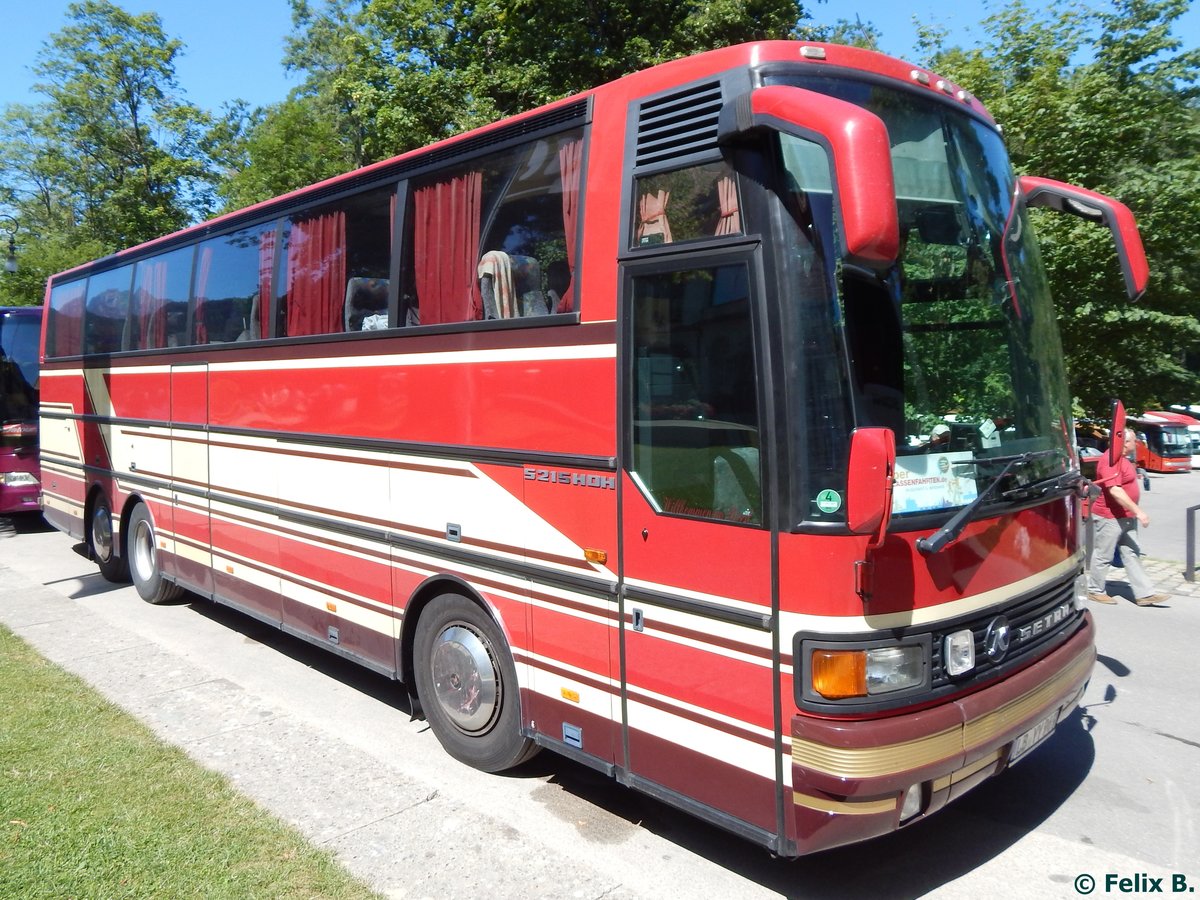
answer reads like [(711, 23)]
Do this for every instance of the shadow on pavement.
[(372, 684), (909, 863)]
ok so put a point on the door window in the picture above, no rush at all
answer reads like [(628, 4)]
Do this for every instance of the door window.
[(695, 397)]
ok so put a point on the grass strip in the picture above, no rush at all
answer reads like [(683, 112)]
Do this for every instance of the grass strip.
[(92, 804)]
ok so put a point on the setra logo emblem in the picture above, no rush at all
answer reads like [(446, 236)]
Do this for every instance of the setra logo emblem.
[(996, 639)]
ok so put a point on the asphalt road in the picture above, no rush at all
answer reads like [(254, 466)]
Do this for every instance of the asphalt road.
[(333, 750), (1167, 502)]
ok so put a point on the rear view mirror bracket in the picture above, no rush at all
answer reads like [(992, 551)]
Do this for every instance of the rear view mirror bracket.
[(858, 144)]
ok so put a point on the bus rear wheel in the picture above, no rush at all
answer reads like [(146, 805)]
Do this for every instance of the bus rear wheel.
[(102, 542), (467, 685), (144, 566)]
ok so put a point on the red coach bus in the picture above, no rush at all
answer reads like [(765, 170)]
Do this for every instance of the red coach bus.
[(600, 430), (1164, 441), (20, 337)]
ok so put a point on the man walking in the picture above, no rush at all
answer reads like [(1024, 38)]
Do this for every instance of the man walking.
[(1116, 516)]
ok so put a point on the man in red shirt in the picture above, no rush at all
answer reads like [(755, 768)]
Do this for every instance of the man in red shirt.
[(1116, 516)]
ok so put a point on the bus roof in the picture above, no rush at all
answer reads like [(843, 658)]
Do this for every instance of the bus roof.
[(1163, 417)]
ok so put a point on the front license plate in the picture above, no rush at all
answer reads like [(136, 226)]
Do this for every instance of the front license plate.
[(1034, 736)]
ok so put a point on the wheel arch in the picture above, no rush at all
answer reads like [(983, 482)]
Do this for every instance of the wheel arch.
[(131, 503), (426, 592)]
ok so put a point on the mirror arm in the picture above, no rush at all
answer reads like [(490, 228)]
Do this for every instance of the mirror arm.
[(857, 140), (1103, 210)]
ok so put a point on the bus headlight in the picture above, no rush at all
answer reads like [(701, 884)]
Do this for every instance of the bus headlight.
[(959, 652), (1081, 591), (837, 674)]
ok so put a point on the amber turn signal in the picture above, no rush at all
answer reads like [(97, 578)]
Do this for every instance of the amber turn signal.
[(839, 673)]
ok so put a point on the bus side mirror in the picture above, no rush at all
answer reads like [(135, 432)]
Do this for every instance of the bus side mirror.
[(870, 481), (1116, 439), (863, 183), (1102, 210)]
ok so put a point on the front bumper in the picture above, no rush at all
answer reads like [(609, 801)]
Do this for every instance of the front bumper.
[(850, 777)]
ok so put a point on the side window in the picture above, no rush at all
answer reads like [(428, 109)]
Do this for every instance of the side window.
[(686, 205), (65, 323), (107, 310), (232, 287), (337, 260), (695, 397), (160, 298), (495, 239)]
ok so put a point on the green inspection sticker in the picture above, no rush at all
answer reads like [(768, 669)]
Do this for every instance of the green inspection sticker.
[(829, 501)]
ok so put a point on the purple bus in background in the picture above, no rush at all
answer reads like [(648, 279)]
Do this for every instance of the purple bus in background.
[(20, 338)]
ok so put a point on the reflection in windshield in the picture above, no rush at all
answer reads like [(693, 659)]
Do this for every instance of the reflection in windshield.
[(957, 349)]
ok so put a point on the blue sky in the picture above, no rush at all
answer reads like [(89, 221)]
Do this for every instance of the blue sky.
[(233, 48)]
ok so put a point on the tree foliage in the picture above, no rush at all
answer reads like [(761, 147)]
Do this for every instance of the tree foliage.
[(111, 157), (267, 152), (1106, 99), (401, 73)]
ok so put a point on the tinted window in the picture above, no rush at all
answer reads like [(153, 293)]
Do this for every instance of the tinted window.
[(19, 336), (695, 399), (65, 322), (686, 205), (337, 262), (495, 239), (107, 311), (232, 274), (160, 300)]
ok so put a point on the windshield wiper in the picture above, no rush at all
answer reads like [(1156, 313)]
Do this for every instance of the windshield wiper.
[(1068, 481), (952, 529)]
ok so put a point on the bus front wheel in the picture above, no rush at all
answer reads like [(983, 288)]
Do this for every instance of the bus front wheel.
[(467, 685), (102, 542), (144, 566)]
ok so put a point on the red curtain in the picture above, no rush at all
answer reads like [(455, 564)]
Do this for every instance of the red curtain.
[(151, 300), (316, 274), (570, 164), (731, 220), (202, 271), (446, 249), (266, 268), (652, 217)]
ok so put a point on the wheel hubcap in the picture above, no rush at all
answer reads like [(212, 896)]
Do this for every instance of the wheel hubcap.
[(466, 682), (102, 536), (143, 561)]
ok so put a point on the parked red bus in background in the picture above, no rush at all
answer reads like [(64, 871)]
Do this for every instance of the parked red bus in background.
[(1164, 441), (598, 428), (20, 337)]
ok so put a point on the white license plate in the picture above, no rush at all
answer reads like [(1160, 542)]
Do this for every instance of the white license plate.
[(1034, 736)]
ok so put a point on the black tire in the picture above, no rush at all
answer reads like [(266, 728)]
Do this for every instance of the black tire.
[(102, 543), (467, 685), (142, 555)]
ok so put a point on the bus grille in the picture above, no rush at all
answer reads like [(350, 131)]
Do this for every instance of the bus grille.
[(1034, 621)]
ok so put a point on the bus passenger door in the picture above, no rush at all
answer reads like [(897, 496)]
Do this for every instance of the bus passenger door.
[(191, 562), (696, 605)]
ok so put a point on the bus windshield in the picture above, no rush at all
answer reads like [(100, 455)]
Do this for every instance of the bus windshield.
[(19, 335), (1176, 441), (956, 349)]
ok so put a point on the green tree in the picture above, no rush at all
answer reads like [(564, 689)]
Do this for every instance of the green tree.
[(1105, 99), (397, 74), (273, 150), (111, 157)]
